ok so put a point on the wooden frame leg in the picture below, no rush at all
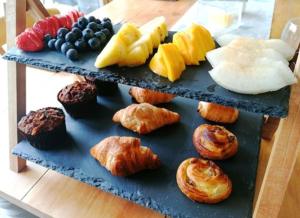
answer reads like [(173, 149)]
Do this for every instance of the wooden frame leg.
[(270, 126), (15, 22), (281, 162)]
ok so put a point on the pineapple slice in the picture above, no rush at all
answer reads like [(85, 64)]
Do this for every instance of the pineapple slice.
[(168, 62), (112, 52), (180, 40), (129, 33)]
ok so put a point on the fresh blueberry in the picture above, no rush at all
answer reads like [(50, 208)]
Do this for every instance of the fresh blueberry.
[(72, 54), (51, 44), (94, 43), (108, 25), (107, 19), (92, 26), (61, 32), (91, 19), (66, 46), (82, 22), (107, 33), (70, 37), (75, 25), (87, 34), (58, 44), (47, 38), (99, 27), (81, 45), (77, 32), (98, 21), (102, 37)]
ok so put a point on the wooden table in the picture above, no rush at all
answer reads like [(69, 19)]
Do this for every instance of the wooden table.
[(45, 192)]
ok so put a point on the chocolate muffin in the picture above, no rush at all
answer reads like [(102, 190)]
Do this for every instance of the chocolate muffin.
[(44, 128), (78, 98), (103, 88)]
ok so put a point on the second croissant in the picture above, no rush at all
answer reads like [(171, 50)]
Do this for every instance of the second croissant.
[(144, 118)]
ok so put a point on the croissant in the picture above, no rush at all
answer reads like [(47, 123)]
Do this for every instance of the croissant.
[(144, 118), (217, 113), (124, 156), (215, 142), (149, 96), (203, 181)]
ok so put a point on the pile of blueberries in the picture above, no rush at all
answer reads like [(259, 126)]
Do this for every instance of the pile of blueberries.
[(86, 34)]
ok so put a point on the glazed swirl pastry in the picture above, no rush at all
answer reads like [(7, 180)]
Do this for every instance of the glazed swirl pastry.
[(149, 96), (217, 113), (215, 142), (203, 181)]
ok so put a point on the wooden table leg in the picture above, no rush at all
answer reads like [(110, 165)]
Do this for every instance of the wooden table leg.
[(281, 162), (15, 22), (269, 128)]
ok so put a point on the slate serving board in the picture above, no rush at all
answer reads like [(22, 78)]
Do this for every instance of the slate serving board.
[(156, 189), (194, 83)]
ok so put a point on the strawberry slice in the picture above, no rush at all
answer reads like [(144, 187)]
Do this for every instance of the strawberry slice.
[(62, 21), (69, 21), (37, 34), (28, 41), (73, 15), (52, 28), (80, 14), (55, 23), (41, 27)]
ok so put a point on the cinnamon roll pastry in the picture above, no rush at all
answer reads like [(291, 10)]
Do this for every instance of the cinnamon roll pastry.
[(217, 113), (215, 142), (124, 156), (203, 181), (149, 96), (144, 118)]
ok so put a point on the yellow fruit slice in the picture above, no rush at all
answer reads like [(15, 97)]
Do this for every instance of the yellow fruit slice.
[(183, 46), (157, 64), (112, 52), (210, 40), (129, 33), (135, 57)]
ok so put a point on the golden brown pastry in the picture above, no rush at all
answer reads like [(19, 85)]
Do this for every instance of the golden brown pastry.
[(124, 156), (149, 96), (215, 142), (144, 118), (203, 181), (217, 113)]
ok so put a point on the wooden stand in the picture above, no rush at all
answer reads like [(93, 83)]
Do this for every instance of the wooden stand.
[(287, 142)]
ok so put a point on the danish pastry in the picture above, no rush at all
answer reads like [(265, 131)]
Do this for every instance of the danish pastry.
[(144, 118), (217, 113), (124, 156), (149, 96), (215, 142), (203, 181)]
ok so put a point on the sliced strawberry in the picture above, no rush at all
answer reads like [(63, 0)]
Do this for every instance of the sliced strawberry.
[(69, 21), (41, 27), (55, 22), (28, 41), (80, 14), (38, 34), (52, 28), (62, 21), (73, 15)]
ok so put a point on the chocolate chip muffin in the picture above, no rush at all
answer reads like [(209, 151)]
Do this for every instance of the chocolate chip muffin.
[(78, 98), (103, 88), (44, 128)]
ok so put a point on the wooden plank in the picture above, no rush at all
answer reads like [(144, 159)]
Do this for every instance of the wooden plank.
[(87, 201), (37, 9), (16, 11)]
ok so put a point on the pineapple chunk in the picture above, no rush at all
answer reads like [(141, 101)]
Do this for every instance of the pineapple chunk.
[(129, 33), (168, 62)]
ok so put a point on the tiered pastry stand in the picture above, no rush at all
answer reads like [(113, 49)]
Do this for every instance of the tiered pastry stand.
[(284, 151)]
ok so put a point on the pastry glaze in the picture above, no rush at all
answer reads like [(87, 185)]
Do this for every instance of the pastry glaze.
[(217, 113), (144, 118), (124, 156), (203, 181), (215, 142), (149, 96)]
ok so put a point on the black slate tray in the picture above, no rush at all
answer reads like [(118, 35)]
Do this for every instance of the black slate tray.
[(155, 189), (195, 82)]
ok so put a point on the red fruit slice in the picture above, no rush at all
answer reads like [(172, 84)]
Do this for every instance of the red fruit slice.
[(81, 14), (69, 21), (62, 21), (55, 22), (38, 34), (73, 15), (27, 41), (41, 26), (52, 28)]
